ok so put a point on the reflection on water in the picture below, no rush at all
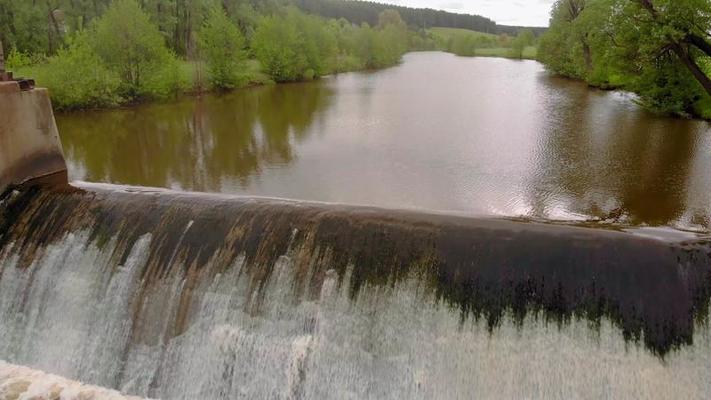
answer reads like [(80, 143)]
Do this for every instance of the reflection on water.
[(483, 136), (195, 143)]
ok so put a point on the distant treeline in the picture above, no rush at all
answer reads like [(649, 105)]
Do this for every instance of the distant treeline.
[(418, 18), (41, 27)]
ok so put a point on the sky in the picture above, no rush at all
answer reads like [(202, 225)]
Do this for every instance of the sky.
[(504, 12)]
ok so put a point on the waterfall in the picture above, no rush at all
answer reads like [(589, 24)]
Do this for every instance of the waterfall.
[(185, 296)]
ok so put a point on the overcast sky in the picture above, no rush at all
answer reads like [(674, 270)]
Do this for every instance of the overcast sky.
[(504, 12)]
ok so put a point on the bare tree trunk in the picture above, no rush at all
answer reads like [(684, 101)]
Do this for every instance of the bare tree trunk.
[(587, 53), (2, 61), (699, 42), (683, 52), (692, 66)]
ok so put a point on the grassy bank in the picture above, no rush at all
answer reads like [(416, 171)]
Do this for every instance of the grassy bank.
[(529, 53)]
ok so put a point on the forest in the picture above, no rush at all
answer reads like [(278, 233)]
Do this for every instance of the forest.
[(418, 18), (658, 49), (102, 53)]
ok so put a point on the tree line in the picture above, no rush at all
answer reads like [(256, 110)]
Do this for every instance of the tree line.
[(101, 53), (359, 11), (659, 49), (470, 44)]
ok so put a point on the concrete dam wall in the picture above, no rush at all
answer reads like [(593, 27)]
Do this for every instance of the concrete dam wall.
[(30, 149), (179, 295)]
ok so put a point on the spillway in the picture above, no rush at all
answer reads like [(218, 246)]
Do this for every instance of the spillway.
[(184, 296)]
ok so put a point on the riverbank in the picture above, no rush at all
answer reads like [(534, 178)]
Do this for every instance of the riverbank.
[(193, 82), (193, 77)]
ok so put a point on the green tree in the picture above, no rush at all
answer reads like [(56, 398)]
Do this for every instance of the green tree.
[(77, 78), (276, 44), (128, 43), (656, 48), (294, 46), (391, 39), (222, 49), (524, 39)]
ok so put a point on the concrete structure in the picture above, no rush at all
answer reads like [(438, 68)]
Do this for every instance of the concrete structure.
[(30, 149)]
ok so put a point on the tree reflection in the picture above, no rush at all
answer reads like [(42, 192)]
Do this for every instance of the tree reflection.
[(606, 158), (194, 143)]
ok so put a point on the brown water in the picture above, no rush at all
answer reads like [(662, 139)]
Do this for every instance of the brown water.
[(476, 135)]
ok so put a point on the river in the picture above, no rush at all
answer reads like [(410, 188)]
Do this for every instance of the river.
[(482, 136)]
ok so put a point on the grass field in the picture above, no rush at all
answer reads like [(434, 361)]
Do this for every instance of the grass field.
[(530, 53), (446, 33), (469, 43)]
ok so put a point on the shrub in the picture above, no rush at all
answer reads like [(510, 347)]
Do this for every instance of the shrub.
[(222, 47), (133, 47), (77, 78)]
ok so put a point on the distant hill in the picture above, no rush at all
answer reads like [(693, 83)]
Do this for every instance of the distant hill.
[(357, 11)]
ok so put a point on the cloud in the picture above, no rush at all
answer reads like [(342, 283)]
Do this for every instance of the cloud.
[(455, 5), (509, 12)]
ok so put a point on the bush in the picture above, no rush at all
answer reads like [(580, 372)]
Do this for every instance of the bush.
[(77, 78), (130, 45), (17, 60), (222, 47), (294, 46)]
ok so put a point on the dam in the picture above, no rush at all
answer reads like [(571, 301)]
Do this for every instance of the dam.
[(170, 294)]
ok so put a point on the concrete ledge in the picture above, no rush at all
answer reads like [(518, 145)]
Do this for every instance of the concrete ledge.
[(30, 148), (9, 87)]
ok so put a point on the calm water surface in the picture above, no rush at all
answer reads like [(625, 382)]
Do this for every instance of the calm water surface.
[(475, 135)]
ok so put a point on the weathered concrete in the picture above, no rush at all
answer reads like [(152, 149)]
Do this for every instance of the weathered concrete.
[(30, 149), (24, 383)]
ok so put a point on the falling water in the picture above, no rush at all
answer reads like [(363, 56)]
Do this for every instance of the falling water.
[(180, 296)]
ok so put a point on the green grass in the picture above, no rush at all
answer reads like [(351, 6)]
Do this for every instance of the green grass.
[(530, 53), (446, 33), (485, 44)]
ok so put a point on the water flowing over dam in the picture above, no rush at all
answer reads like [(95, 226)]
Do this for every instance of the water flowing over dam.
[(182, 296)]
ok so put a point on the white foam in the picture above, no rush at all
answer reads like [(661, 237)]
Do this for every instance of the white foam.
[(71, 314), (22, 383)]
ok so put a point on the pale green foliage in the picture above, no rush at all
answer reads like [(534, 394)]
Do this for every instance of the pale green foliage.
[(277, 44), (524, 39), (16, 59), (222, 49), (77, 78), (391, 40), (463, 42), (131, 45), (294, 46)]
